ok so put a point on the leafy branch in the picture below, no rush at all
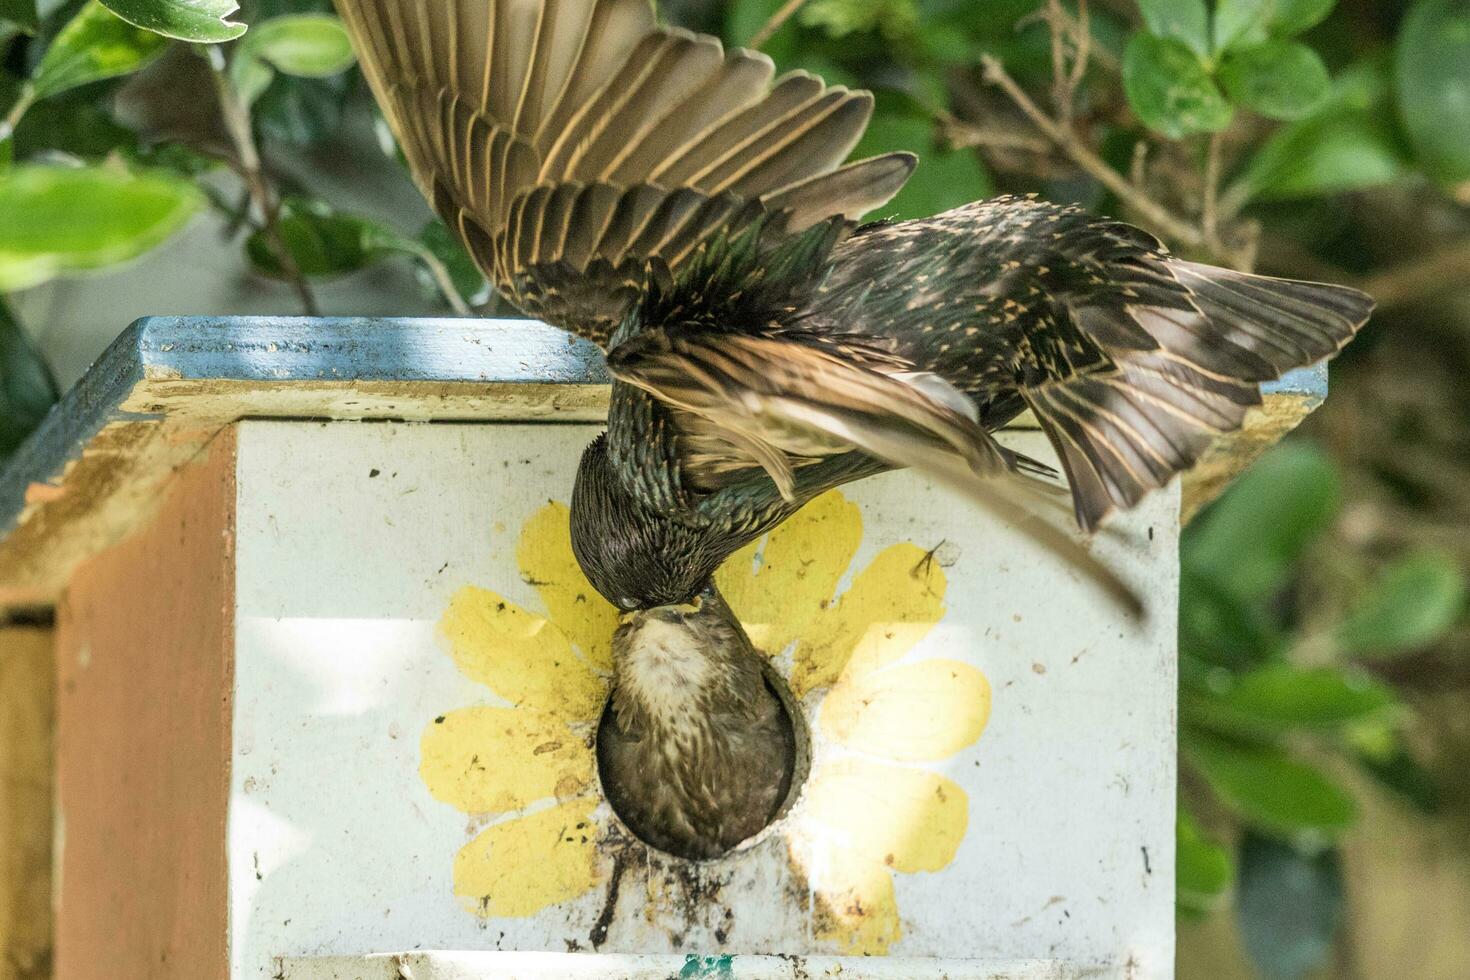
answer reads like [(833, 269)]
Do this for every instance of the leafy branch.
[(236, 116)]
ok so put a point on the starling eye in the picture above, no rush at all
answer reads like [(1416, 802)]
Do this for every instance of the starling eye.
[(626, 604)]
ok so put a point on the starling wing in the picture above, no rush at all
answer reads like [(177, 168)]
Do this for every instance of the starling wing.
[(1132, 359), (909, 341), (576, 147)]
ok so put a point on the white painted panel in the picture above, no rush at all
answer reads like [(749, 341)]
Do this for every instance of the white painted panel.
[(352, 539)]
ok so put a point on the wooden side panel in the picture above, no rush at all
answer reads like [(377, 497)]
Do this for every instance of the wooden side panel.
[(145, 657), (27, 722)]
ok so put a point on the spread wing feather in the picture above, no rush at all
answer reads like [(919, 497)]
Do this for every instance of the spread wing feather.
[(571, 143), (1133, 360), (788, 401)]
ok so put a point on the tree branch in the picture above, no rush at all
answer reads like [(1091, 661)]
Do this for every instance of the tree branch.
[(237, 123), (1420, 278), (440, 274), (1083, 156), (777, 21)]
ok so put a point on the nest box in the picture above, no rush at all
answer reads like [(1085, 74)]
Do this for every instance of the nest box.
[(328, 678)]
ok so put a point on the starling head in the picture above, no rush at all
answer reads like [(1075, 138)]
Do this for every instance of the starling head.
[(636, 556), (697, 751)]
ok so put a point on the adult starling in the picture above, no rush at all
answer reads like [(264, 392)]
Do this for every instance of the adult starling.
[(644, 188)]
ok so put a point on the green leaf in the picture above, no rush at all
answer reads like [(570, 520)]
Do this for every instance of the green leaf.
[(60, 220), (1268, 788), (1396, 769), (1181, 20), (1295, 16), (1413, 603), (1241, 22), (1278, 79), (1433, 72), (894, 20), (1202, 869), (73, 124), (92, 46), (468, 282), (1170, 88), (1271, 700), (188, 20), (27, 387), (944, 178), (324, 242), (1217, 627), (1340, 150), (21, 13), (1249, 539), (302, 111), (1289, 906), (304, 45)]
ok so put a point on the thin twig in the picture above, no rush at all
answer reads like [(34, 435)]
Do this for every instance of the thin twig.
[(1209, 211), (777, 21), (1064, 140), (236, 118), (1421, 277), (1138, 168), (961, 135), (440, 274), (1060, 96), (13, 117), (1065, 80), (1082, 38)]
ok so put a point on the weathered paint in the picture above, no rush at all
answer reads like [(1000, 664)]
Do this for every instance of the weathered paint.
[(490, 760), (580, 966), (419, 667), (145, 644), (94, 468), (27, 727), (1287, 403)]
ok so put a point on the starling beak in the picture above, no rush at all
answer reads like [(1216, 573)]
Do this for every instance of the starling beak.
[(667, 199), (697, 752)]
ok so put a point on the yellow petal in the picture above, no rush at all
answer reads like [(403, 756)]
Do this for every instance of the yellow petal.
[(800, 565), (519, 656), (492, 760), (548, 563), (905, 819), (520, 866), (892, 605), (856, 909), (915, 712)]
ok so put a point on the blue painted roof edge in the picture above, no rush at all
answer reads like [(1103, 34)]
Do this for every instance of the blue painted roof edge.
[(286, 349)]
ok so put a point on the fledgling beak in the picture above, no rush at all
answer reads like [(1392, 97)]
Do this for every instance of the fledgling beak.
[(675, 614)]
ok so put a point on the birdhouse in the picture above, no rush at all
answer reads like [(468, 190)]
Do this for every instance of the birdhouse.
[(328, 681)]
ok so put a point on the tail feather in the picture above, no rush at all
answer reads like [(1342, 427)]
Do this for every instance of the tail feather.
[(1124, 432)]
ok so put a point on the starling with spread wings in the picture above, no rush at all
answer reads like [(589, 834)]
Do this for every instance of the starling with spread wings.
[(693, 214)]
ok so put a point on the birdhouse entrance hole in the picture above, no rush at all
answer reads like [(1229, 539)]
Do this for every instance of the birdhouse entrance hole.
[(800, 737)]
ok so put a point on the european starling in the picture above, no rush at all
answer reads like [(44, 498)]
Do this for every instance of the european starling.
[(644, 188)]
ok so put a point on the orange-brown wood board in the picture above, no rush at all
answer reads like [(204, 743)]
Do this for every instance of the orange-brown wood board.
[(27, 723), (145, 650)]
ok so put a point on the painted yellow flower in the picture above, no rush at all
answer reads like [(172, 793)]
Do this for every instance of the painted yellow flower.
[(866, 812)]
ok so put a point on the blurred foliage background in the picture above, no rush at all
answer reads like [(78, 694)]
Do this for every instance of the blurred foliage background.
[(1324, 824)]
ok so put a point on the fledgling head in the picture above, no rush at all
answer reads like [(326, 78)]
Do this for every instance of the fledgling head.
[(690, 658), (698, 753), (637, 558)]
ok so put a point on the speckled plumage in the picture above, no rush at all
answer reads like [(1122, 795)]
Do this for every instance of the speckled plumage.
[(673, 202), (697, 753)]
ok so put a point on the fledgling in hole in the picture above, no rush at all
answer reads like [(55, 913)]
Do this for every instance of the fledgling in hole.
[(696, 751)]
